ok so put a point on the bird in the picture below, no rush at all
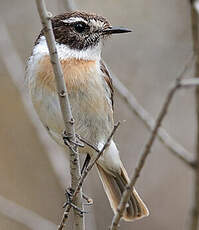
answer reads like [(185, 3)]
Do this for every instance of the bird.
[(79, 38)]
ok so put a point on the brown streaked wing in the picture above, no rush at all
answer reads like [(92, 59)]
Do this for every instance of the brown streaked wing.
[(107, 78)]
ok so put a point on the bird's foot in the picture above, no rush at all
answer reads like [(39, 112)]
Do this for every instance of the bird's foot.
[(68, 140), (87, 198), (69, 193)]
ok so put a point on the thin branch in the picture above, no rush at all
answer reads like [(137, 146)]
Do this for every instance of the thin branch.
[(83, 177), (190, 82), (147, 148), (196, 5), (15, 68), (177, 149), (88, 169), (59, 78), (65, 106), (195, 37), (94, 147), (170, 143)]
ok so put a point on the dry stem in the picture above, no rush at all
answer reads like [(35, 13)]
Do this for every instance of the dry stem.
[(65, 107), (175, 148), (147, 148), (169, 142), (195, 38), (83, 177)]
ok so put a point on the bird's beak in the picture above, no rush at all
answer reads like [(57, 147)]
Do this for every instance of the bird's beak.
[(115, 30)]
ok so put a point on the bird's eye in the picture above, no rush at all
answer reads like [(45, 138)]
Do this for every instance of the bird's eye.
[(80, 27)]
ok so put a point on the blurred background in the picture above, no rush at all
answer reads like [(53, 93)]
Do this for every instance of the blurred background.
[(34, 170)]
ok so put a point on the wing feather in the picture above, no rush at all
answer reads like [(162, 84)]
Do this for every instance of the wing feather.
[(108, 79)]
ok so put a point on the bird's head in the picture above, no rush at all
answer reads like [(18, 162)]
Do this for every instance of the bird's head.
[(80, 30)]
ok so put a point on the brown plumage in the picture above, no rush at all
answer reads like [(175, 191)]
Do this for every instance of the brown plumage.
[(114, 186)]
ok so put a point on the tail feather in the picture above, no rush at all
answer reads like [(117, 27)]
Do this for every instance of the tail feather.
[(114, 187)]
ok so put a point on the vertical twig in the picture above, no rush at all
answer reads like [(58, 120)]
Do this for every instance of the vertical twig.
[(141, 161), (15, 67), (195, 37), (65, 107)]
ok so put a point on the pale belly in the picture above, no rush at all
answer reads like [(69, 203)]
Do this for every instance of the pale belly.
[(91, 109), (89, 95)]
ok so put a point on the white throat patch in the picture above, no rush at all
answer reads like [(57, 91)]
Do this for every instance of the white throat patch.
[(65, 52)]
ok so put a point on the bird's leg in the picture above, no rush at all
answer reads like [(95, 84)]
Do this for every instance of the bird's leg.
[(87, 198), (69, 192), (86, 163), (84, 167)]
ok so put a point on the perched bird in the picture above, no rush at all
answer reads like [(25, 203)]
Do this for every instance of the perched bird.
[(79, 38)]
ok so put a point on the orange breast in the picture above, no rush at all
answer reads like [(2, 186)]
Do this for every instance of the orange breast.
[(83, 79), (76, 73)]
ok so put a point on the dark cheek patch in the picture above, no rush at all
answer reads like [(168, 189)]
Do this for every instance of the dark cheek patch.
[(68, 36)]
